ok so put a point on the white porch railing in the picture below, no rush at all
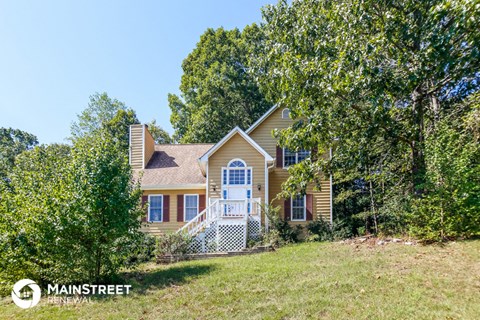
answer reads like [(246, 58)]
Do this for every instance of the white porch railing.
[(222, 209)]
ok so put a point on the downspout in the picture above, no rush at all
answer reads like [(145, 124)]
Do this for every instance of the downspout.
[(207, 186)]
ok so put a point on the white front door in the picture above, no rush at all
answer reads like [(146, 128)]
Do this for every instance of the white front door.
[(237, 184), (236, 193)]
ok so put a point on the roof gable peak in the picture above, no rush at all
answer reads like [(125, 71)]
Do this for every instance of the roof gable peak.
[(227, 137), (262, 118)]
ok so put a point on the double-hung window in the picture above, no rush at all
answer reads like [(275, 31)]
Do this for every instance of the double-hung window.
[(191, 206), (298, 208), (155, 208), (291, 158)]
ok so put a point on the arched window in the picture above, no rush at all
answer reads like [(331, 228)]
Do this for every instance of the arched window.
[(285, 113), (236, 164), (237, 173)]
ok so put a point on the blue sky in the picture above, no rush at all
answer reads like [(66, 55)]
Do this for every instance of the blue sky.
[(55, 54)]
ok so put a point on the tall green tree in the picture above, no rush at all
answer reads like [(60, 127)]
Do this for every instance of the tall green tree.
[(159, 135), (371, 79), (100, 109), (218, 91), (118, 127), (32, 214), (105, 113), (12, 143), (452, 206), (69, 214), (107, 208)]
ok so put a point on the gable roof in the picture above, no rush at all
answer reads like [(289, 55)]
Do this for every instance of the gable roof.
[(262, 118), (174, 166), (245, 136)]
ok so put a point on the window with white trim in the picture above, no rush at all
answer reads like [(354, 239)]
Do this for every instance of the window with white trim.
[(190, 206), (155, 208), (237, 174), (298, 207), (286, 113), (291, 158)]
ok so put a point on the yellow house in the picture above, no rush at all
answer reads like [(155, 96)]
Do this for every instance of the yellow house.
[(214, 192)]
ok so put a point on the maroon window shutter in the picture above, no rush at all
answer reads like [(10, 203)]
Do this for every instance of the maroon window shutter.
[(309, 205), (145, 206), (180, 208), (287, 208), (201, 203), (166, 208), (279, 157)]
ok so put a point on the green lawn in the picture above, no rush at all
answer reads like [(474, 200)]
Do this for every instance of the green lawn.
[(328, 281)]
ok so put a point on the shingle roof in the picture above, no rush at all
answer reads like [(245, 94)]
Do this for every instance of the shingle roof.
[(175, 164)]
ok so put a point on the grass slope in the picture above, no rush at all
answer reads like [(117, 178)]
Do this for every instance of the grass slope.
[(328, 281)]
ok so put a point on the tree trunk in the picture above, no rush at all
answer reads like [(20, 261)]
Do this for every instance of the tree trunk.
[(372, 208), (418, 111), (418, 156), (98, 265)]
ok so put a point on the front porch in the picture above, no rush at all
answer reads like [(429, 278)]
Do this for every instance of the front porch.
[(225, 225)]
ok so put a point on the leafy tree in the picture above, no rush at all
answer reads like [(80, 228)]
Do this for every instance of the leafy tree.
[(69, 214), (159, 135), (12, 143), (375, 77), (218, 91), (105, 113), (452, 207), (32, 214), (100, 109), (118, 127), (107, 207)]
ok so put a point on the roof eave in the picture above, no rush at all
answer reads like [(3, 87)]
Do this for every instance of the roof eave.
[(262, 118), (184, 186), (203, 159)]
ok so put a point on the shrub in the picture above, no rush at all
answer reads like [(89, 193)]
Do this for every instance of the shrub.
[(173, 244), (341, 229), (143, 250), (392, 215), (321, 230), (273, 239), (286, 232)]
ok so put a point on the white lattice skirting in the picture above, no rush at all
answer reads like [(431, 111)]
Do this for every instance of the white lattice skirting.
[(254, 228), (226, 236)]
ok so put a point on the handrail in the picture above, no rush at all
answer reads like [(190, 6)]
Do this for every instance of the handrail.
[(221, 209), (199, 221)]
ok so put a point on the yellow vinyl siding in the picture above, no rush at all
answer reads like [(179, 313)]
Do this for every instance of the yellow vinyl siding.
[(157, 228), (136, 146), (263, 133), (263, 136), (149, 144), (236, 148), (321, 199)]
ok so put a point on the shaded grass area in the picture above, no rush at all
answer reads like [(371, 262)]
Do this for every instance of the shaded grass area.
[(312, 280)]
